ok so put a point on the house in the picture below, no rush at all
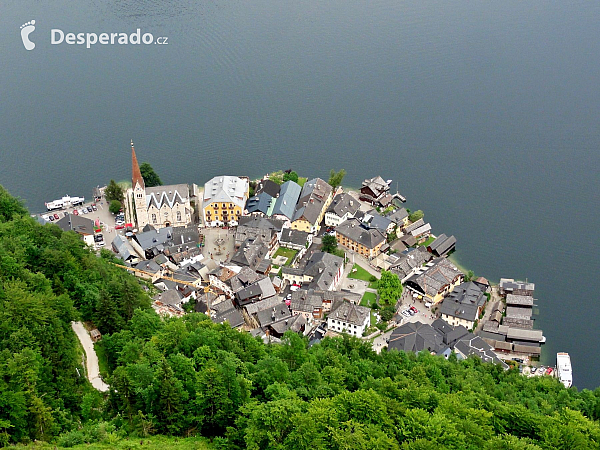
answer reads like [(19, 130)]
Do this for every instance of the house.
[(315, 198), (121, 246), (416, 337), (442, 245), (408, 240), (259, 291), (224, 200), (297, 324), (251, 253), (83, 226), (510, 286), (349, 318), (275, 314), (268, 229), (260, 204), (342, 207), (413, 226), (435, 280), (152, 242), (399, 217), (323, 271), (268, 187), (353, 235), (375, 191), (441, 338), (308, 304), (372, 219), (251, 310), (295, 239), (285, 205), (410, 261), (421, 232), (161, 206), (231, 316), (153, 270), (463, 305)]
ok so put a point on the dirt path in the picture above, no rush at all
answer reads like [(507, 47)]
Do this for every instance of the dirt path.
[(93, 370)]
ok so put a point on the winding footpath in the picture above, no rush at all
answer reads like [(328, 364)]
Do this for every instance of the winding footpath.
[(93, 370)]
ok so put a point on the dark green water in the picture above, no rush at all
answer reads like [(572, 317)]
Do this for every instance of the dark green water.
[(485, 113)]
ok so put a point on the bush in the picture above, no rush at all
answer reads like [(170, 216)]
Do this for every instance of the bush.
[(115, 206), (372, 278), (71, 439)]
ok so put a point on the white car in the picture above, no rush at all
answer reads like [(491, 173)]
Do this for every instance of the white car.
[(405, 313)]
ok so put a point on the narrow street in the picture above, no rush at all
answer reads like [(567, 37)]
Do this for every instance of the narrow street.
[(93, 370)]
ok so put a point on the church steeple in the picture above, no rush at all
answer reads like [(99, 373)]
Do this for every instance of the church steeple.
[(136, 175)]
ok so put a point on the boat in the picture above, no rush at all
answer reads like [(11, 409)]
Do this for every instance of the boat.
[(64, 202), (563, 368)]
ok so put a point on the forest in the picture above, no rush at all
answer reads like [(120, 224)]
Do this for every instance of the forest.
[(188, 383)]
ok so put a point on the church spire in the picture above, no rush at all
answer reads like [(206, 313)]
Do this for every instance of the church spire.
[(136, 175)]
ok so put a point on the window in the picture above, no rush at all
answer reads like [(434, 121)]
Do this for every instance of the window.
[(153, 218), (178, 216)]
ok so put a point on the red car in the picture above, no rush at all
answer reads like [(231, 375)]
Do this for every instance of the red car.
[(119, 227), (549, 371), (75, 212), (56, 216), (413, 309)]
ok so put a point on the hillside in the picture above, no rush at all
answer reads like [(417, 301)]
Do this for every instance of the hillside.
[(189, 377)]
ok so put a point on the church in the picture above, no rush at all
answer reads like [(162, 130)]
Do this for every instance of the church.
[(159, 206)]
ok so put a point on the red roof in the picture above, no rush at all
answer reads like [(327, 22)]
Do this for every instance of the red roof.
[(136, 175)]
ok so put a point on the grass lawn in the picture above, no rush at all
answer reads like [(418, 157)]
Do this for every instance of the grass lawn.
[(429, 240), (368, 299), (102, 359), (360, 274), (287, 253), (302, 180), (374, 284)]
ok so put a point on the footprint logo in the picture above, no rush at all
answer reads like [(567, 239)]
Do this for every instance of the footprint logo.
[(26, 30)]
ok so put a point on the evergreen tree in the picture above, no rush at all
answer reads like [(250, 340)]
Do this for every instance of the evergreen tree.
[(114, 192), (150, 177)]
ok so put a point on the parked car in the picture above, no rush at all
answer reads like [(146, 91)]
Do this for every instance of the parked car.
[(519, 360), (413, 309), (75, 212), (94, 208), (51, 218), (119, 227), (411, 312), (549, 371), (533, 369), (406, 313), (56, 216), (89, 208)]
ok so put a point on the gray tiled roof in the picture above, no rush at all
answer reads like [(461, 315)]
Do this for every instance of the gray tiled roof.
[(295, 237), (519, 300), (78, 224), (442, 244), (251, 253), (353, 230), (463, 302), (375, 220), (441, 273), (342, 204), (323, 268), (398, 215), (274, 314), (350, 313), (474, 345), (167, 195), (415, 337), (153, 238), (312, 198)]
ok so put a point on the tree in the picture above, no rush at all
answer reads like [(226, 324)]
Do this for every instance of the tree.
[(413, 217), (150, 177), (389, 287), (114, 192), (115, 206), (329, 243), (469, 276), (335, 178), (290, 176)]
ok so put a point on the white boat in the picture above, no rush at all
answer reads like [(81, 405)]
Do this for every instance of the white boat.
[(64, 202), (563, 367)]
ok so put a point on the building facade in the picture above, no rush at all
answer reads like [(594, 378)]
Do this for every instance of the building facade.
[(159, 206)]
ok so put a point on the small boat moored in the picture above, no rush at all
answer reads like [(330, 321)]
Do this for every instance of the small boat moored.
[(563, 367)]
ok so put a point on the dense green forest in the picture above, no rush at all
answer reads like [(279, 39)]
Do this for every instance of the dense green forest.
[(185, 378)]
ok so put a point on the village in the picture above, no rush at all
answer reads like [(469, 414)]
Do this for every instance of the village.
[(284, 253)]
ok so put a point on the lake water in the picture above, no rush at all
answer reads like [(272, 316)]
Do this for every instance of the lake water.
[(485, 114)]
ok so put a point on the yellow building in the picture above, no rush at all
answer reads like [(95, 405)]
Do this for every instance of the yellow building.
[(353, 235), (314, 200), (224, 200)]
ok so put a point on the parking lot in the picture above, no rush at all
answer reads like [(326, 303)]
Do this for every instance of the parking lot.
[(102, 214)]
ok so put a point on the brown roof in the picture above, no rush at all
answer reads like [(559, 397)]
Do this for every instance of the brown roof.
[(136, 175)]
